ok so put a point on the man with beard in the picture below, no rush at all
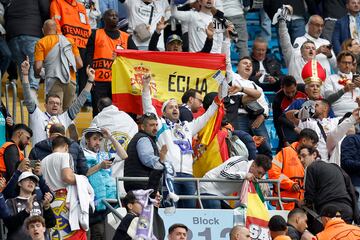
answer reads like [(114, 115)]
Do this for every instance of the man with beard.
[(100, 54), (11, 152), (99, 174), (283, 98)]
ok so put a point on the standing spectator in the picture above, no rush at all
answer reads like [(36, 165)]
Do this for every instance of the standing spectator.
[(57, 169), (283, 98), (278, 228), (294, 59), (93, 12), (99, 174), (334, 226), (11, 152), (143, 17), (234, 11), (35, 225), (177, 136), (301, 10), (325, 185), (345, 83), (296, 223), (100, 54), (5, 53), (72, 21), (41, 121), (266, 70), (332, 10), (347, 26), (287, 168), (239, 232), (27, 183), (44, 148), (324, 53), (105, 5), (178, 231), (236, 168), (350, 161), (23, 23), (192, 102), (145, 159), (59, 58)]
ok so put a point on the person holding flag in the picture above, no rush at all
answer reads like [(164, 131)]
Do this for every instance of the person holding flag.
[(177, 135)]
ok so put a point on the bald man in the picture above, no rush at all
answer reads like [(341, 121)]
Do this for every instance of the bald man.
[(239, 232), (324, 53), (56, 60)]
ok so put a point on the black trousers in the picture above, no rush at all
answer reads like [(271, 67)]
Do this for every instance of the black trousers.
[(100, 90)]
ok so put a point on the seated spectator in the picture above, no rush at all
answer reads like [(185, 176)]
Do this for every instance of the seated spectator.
[(287, 168), (335, 226), (178, 231), (345, 27), (100, 54), (25, 200), (236, 168), (278, 228), (283, 98), (99, 163), (345, 83), (239, 232), (174, 43), (11, 153), (324, 53), (41, 121), (143, 17), (43, 149), (35, 226), (57, 59), (294, 59), (297, 224), (127, 228), (191, 103), (266, 70), (329, 130), (325, 185), (145, 159)]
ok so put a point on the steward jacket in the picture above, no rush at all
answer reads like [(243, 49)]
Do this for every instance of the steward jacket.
[(336, 228), (287, 167), (10, 154)]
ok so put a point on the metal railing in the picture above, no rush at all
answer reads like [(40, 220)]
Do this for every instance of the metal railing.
[(197, 196), (12, 84)]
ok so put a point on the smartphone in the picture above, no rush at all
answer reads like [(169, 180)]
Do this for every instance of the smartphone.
[(33, 163), (355, 76), (112, 159), (329, 46)]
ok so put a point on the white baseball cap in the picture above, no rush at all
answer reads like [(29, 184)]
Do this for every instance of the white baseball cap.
[(28, 175)]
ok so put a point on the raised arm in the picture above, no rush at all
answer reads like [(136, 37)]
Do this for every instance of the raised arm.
[(29, 102), (146, 96), (120, 151), (285, 42)]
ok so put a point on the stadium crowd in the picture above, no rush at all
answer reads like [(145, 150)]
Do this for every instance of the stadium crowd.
[(57, 190)]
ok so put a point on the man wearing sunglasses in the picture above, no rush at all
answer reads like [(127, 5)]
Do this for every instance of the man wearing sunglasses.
[(11, 152)]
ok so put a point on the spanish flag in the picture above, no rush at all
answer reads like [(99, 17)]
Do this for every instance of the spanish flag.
[(173, 73)]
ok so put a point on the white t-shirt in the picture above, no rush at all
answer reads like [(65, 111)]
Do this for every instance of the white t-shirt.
[(40, 123), (139, 13), (52, 166), (197, 23), (232, 8)]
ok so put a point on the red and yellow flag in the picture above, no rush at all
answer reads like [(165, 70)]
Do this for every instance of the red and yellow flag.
[(173, 73)]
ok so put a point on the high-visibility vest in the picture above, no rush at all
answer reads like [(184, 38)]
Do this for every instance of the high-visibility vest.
[(71, 20), (286, 167), (2, 150), (336, 228), (103, 53)]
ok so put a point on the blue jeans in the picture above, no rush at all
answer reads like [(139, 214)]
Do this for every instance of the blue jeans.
[(296, 29), (243, 122), (22, 46), (108, 4), (210, 203), (265, 25), (185, 188), (5, 56)]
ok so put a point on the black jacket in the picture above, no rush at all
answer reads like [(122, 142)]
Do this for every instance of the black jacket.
[(293, 233)]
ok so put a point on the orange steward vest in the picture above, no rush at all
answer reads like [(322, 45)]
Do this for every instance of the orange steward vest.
[(103, 53), (2, 150), (336, 229)]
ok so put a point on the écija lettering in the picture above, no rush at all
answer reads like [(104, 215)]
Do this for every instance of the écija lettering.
[(181, 83), (206, 221)]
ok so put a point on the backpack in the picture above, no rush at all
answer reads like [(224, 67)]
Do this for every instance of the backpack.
[(235, 146)]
